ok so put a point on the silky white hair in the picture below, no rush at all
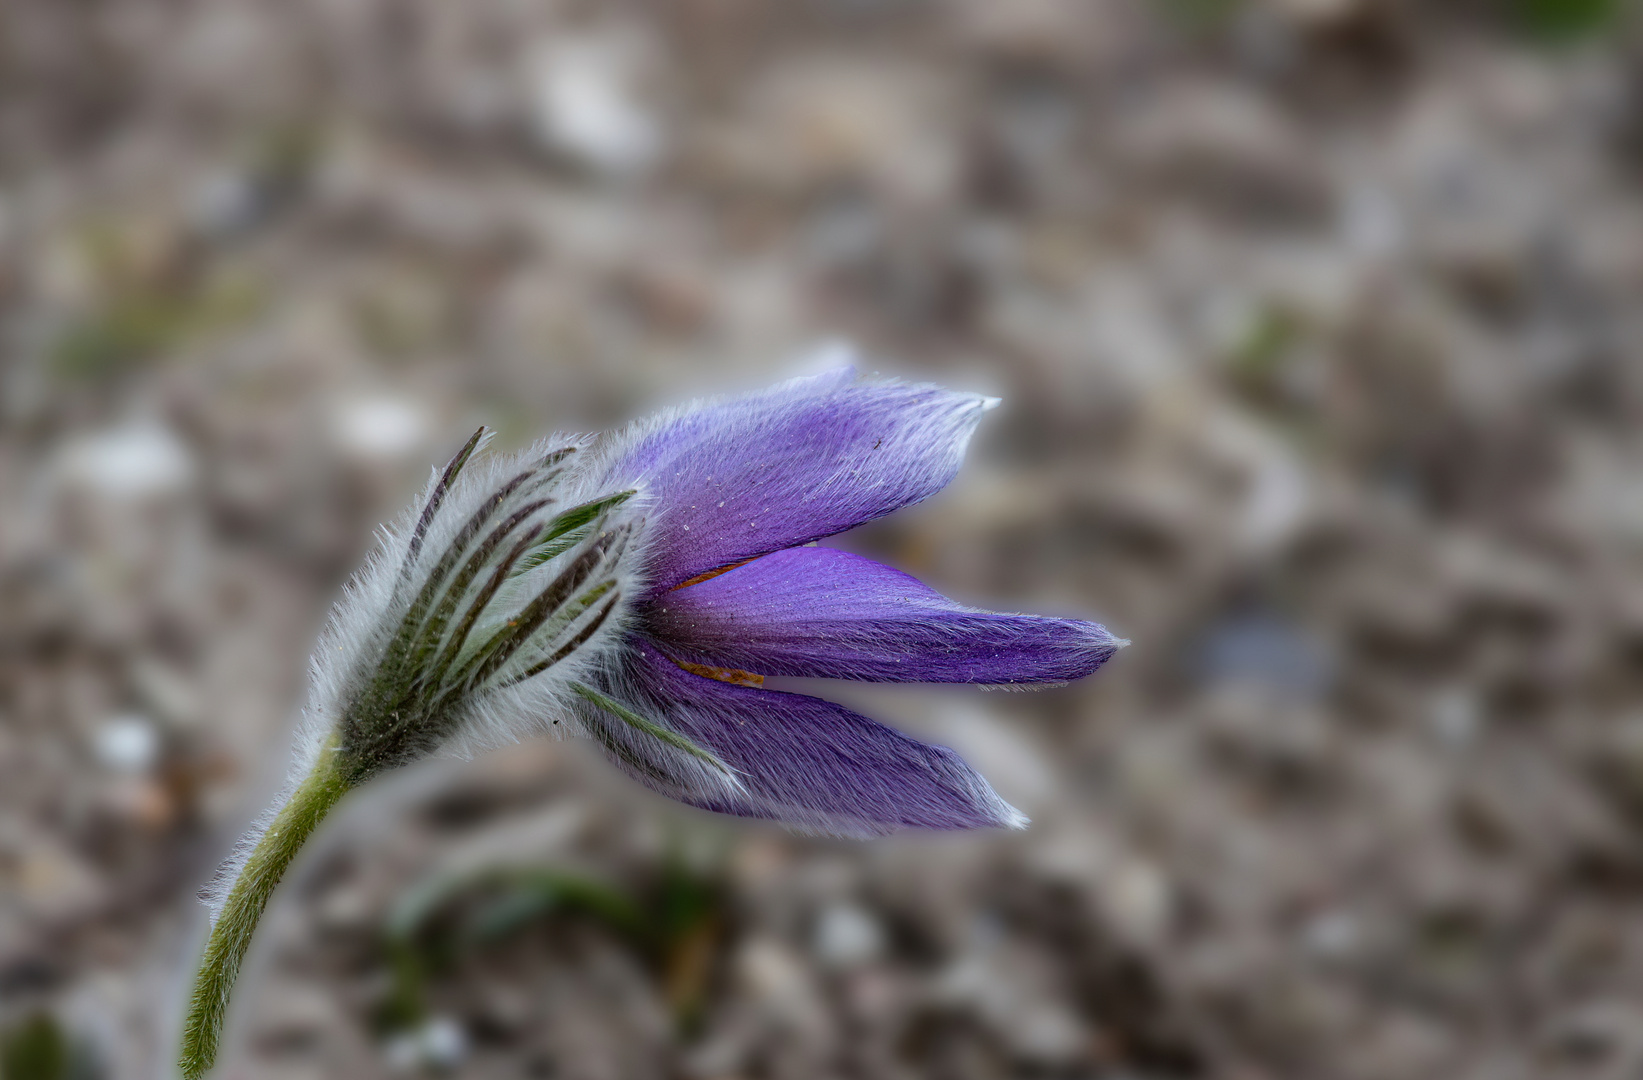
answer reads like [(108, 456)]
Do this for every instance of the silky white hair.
[(374, 603)]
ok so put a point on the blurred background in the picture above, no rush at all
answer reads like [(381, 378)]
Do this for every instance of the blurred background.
[(1318, 331)]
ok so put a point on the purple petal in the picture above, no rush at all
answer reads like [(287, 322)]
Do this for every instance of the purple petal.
[(805, 761), (737, 478), (830, 614)]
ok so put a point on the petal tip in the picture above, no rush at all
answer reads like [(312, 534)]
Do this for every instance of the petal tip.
[(988, 404), (1099, 646)]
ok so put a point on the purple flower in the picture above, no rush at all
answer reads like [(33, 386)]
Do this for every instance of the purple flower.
[(735, 492), (640, 587)]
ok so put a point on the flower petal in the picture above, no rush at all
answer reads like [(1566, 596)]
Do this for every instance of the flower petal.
[(736, 478), (804, 761), (825, 613)]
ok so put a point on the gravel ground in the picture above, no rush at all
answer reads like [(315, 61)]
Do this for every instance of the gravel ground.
[(1316, 326)]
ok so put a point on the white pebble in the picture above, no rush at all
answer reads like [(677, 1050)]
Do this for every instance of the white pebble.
[(439, 1044), (848, 934), (382, 428), (586, 108), (138, 460), (127, 743)]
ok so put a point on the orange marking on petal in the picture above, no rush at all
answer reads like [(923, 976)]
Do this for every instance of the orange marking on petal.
[(734, 676), (709, 575)]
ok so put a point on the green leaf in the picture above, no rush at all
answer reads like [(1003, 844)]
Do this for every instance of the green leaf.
[(569, 529)]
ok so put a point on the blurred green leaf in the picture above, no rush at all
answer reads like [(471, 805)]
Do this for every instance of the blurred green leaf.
[(1563, 21), (684, 900), (674, 925), (532, 889), (447, 915), (688, 906), (1257, 361), (36, 1049), (133, 326)]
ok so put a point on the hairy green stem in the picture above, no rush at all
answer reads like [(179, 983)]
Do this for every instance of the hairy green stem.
[(247, 898)]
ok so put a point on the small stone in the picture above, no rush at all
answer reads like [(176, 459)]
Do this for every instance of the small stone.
[(1333, 934), (380, 429), (53, 880), (848, 934), (586, 108), (439, 1044), (1138, 899), (140, 460), (225, 202), (1456, 717), (127, 743), (143, 802), (774, 975)]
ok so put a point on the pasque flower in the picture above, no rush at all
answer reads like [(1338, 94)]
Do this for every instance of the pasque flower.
[(639, 588)]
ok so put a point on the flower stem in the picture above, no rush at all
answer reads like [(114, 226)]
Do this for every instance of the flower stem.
[(247, 898)]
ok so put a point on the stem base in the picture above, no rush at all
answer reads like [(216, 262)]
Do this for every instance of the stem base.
[(247, 899)]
